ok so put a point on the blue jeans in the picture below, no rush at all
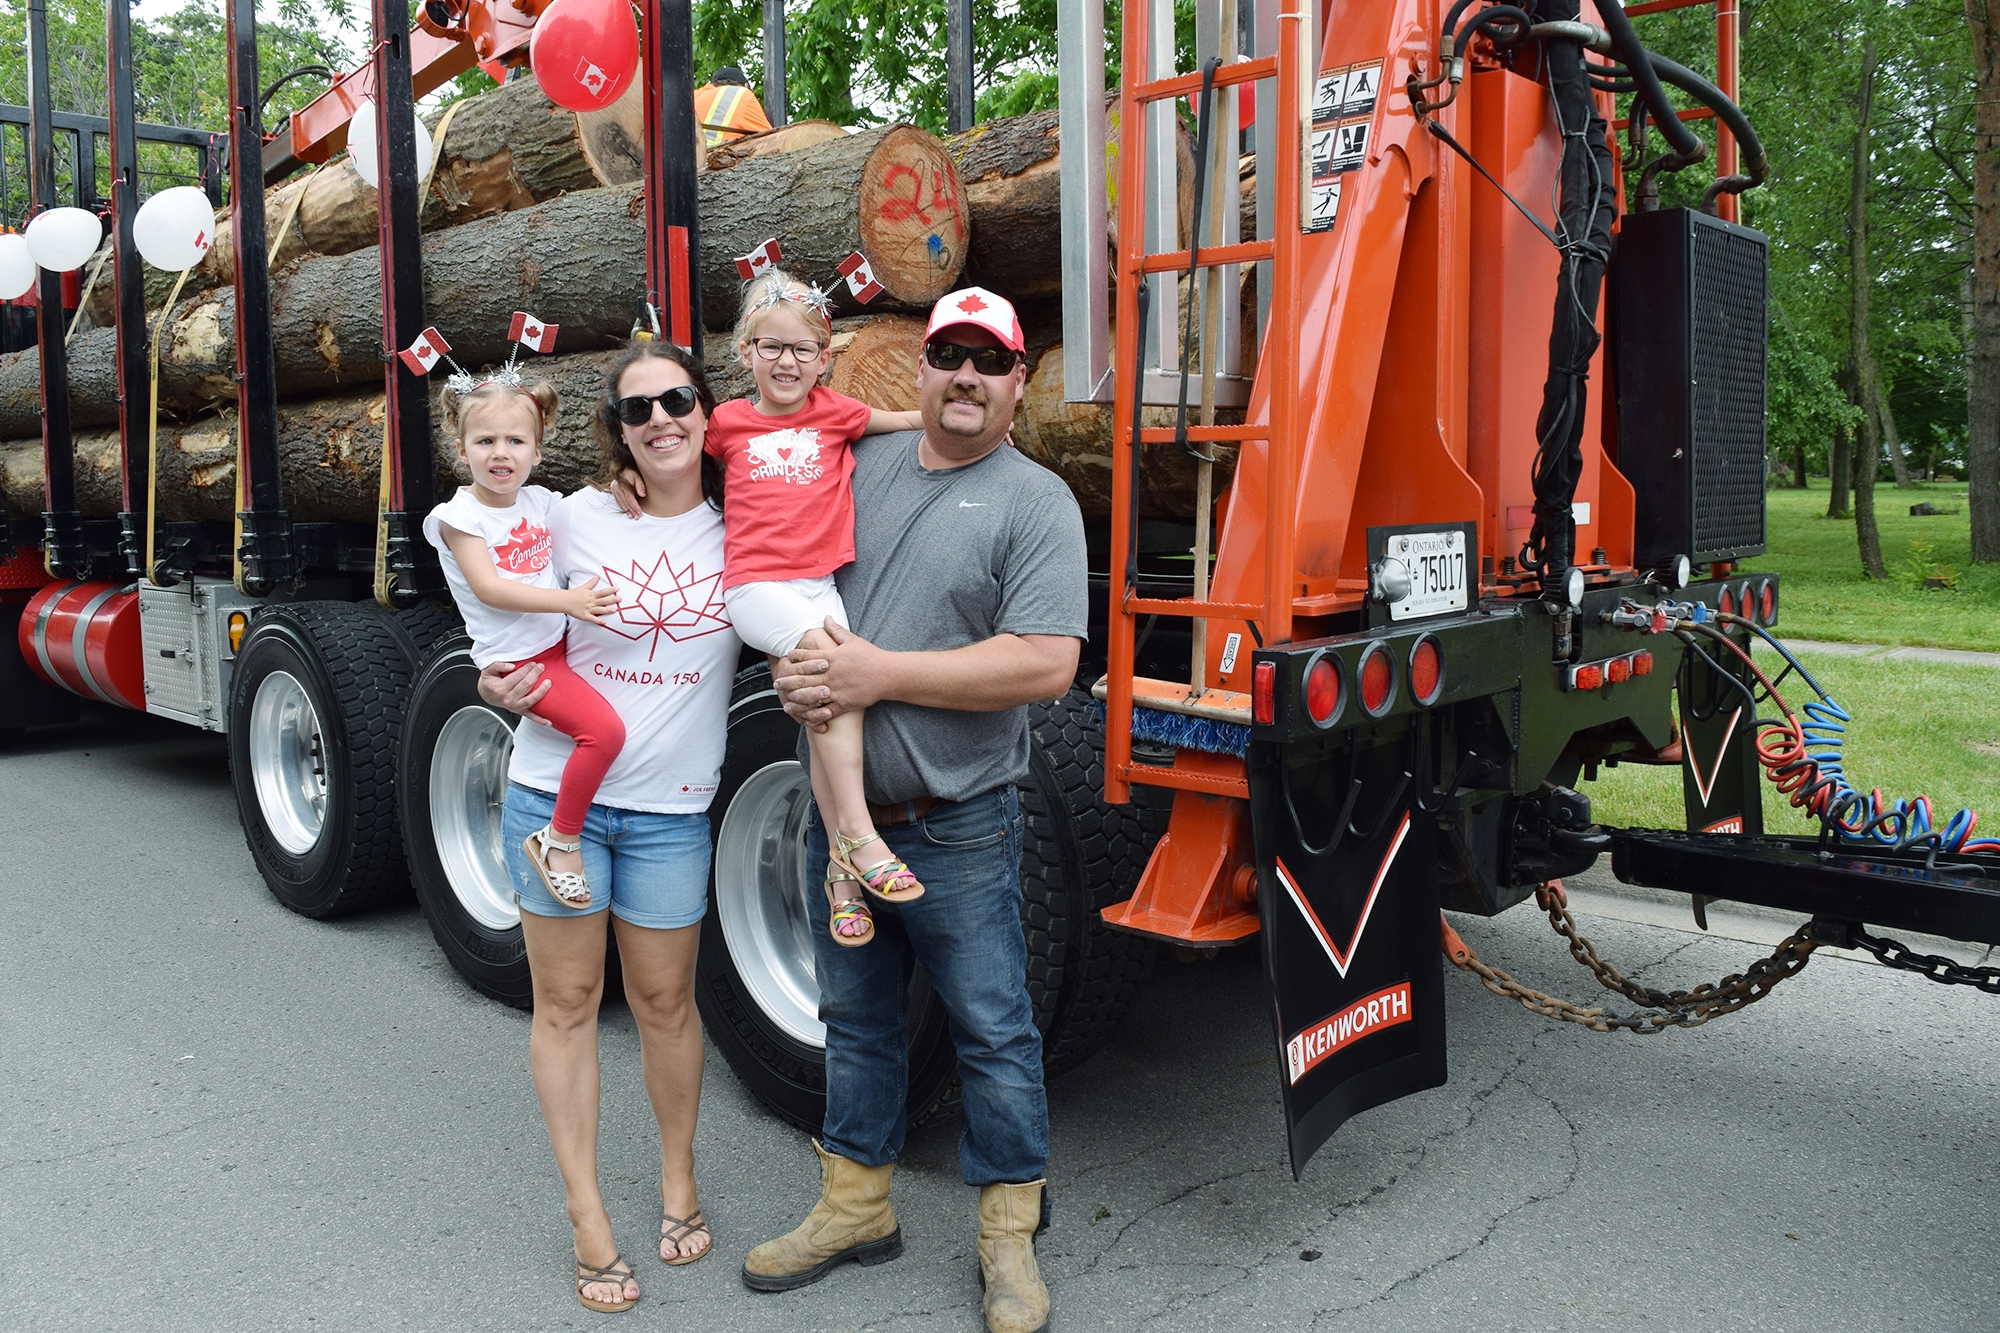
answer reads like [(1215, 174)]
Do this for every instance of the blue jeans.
[(966, 932)]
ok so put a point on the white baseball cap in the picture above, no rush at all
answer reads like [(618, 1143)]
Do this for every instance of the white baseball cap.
[(977, 306)]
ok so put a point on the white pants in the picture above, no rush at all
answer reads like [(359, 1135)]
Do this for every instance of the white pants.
[(773, 617)]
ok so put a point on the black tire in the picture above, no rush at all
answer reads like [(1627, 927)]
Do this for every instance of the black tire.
[(783, 1071), (1080, 855), (342, 660), (455, 885)]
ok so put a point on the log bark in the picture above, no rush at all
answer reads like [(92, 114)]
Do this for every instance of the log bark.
[(1011, 170), (784, 139), (892, 193), (505, 149), (331, 452), (1073, 440)]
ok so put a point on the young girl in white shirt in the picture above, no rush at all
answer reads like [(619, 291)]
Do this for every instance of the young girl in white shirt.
[(493, 540)]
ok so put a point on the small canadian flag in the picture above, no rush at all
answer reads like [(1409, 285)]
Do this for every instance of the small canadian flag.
[(591, 77), (531, 332), (422, 354), (860, 278), (763, 257)]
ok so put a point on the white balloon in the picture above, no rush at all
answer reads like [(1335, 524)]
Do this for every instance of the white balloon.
[(17, 267), (174, 228), (63, 238), (361, 145)]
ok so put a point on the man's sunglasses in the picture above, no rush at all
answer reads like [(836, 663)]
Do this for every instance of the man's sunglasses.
[(986, 360), (637, 411)]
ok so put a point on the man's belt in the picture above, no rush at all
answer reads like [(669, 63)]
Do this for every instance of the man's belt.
[(902, 812)]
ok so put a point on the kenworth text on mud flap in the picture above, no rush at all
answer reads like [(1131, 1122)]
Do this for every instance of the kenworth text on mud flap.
[(1497, 430)]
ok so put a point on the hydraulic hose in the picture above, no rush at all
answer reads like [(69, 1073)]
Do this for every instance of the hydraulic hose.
[(1625, 47)]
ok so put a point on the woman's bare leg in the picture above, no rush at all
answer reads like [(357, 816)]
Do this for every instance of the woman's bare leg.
[(659, 986), (566, 962)]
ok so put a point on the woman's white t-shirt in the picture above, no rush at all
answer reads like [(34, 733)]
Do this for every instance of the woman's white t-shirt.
[(518, 539), (665, 659)]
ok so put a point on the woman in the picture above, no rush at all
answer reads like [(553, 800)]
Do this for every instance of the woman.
[(664, 660)]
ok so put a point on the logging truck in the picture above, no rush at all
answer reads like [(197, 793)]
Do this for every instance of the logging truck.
[(1417, 468)]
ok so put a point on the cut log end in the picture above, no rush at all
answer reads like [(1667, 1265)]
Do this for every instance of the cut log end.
[(914, 228)]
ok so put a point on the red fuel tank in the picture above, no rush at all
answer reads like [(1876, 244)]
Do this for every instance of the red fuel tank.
[(84, 638)]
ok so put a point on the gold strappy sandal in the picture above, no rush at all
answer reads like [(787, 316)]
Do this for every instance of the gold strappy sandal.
[(890, 881), (847, 910)]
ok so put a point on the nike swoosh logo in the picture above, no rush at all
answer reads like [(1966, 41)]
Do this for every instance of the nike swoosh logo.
[(968, 504)]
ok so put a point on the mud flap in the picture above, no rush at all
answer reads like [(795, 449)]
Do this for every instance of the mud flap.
[(1348, 898), (1720, 779)]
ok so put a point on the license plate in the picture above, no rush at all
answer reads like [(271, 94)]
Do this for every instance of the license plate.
[(1437, 565)]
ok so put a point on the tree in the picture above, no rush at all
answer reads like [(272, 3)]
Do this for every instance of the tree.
[(1864, 390), (1983, 321)]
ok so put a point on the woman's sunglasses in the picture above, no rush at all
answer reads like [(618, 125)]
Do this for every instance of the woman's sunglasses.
[(637, 411), (986, 360)]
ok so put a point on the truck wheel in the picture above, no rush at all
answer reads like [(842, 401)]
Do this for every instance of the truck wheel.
[(451, 774), (1080, 855), (315, 703), (754, 980)]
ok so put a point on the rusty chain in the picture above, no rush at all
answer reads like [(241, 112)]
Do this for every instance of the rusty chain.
[(1666, 1009), (1896, 954)]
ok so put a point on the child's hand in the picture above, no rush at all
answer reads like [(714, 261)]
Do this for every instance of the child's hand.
[(588, 603), (628, 488)]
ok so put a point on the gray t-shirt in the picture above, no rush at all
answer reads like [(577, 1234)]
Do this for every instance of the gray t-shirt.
[(948, 558)]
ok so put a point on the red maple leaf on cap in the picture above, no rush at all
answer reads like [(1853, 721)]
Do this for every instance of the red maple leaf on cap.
[(971, 305)]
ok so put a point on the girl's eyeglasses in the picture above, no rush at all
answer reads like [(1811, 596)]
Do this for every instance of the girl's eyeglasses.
[(638, 411), (993, 361), (771, 349)]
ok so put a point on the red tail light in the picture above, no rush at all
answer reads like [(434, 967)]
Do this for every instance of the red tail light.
[(1378, 680), (1263, 689), (1727, 602), (1617, 669), (1589, 676), (1426, 670), (1323, 690), (1746, 602), (1642, 662), (1767, 598)]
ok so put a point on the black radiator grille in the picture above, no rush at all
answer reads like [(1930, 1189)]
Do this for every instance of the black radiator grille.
[(1728, 418)]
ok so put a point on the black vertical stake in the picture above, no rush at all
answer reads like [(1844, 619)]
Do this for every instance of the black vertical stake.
[(409, 563), (777, 108), (62, 526), (672, 198), (960, 104), (264, 529), (129, 287)]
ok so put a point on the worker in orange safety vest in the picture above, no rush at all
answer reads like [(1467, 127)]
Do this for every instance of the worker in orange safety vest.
[(725, 108)]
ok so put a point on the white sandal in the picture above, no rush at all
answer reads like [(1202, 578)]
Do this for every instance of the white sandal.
[(565, 886)]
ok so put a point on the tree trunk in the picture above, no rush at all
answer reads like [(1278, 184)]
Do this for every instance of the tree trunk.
[(505, 149), (1983, 364), (330, 451), (1798, 467), (891, 193), (1892, 439), (1864, 386), (1838, 471), (1012, 174)]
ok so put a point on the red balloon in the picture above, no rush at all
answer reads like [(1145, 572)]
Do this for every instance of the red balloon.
[(585, 52)]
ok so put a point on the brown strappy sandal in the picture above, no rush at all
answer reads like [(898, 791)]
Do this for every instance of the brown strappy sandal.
[(588, 1276), (675, 1229)]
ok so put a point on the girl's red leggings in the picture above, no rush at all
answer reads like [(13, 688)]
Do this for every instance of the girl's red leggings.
[(582, 714)]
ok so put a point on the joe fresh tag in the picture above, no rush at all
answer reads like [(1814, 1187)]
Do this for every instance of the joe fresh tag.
[(1436, 562)]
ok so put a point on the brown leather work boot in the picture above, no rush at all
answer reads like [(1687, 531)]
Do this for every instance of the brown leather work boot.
[(852, 1220), (1016, 1300)]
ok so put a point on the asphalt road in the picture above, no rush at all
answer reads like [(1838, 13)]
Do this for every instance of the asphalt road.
[(217, 1115)]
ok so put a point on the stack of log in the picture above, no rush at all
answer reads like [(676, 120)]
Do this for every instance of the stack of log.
[(539, 209)]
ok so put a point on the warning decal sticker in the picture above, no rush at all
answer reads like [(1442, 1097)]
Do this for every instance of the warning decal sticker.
[(1325, 204), (1350, 146)]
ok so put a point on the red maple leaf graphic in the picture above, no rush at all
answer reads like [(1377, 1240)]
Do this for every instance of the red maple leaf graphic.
[(526, 550), (665, 600), (971, 305)]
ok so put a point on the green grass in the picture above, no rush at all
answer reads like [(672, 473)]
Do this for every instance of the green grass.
[(1826, 595), (1919, 728)]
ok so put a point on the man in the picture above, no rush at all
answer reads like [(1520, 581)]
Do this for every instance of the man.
[(725, 111), (967, 601)]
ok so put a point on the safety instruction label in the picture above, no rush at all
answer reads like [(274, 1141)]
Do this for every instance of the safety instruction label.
[(1324, 205), (1348, 91)]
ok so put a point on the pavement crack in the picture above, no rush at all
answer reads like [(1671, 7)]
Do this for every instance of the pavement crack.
[(96, 1148)]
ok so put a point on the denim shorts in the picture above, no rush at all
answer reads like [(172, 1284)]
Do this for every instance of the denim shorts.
[(649, 869)]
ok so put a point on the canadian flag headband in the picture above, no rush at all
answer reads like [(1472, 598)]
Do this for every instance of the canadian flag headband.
[(430, 348), (761, 263)]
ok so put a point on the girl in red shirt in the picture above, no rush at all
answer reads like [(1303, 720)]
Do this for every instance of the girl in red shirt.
[(789, 525)]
